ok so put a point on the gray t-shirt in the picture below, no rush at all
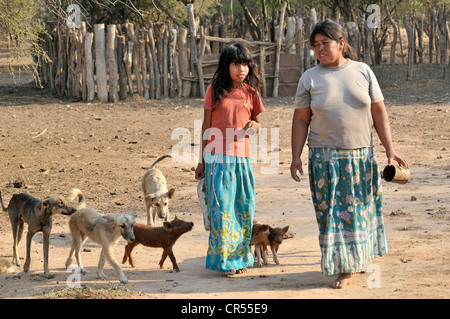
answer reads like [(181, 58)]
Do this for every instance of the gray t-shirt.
[(340, 99)]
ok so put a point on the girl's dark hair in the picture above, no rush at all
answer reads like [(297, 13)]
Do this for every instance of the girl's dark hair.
[(221, 82), (334, 31)]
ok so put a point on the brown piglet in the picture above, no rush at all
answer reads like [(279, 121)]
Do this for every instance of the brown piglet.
[(276, 236), (164, 236), (260, 239)]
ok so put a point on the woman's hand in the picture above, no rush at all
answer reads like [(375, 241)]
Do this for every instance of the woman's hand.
[(296, 166), (392, 156)]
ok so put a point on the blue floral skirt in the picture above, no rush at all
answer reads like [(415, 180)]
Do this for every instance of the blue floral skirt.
[(230, 196), (347, 196)]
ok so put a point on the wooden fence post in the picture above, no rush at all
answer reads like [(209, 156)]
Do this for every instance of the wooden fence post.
[(194, 55), (112, 63), (135, 56), (277, 55), (299, 44), (82, 62), (184, 62), (172, 55), (150, 66), (155, 61), (89, 67), (193, 47), (165, 60), (100, 63), (128, 61), (122, 70), (143, 64), (290, 34)]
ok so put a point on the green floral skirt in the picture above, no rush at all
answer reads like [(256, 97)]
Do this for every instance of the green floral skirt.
[(347, 196), (230, 196)]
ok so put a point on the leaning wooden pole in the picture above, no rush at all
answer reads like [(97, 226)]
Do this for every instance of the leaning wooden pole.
[(184, 62), (196, 66)]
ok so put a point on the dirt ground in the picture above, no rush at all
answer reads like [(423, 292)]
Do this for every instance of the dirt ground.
[(49, 145)]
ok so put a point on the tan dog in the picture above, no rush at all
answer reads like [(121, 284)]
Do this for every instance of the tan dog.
[(105, 230), (24, 208), (156, 194)]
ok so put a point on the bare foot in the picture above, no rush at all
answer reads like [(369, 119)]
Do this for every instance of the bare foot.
[(229, 272), (342, 281), (234, 272), (241, 271)]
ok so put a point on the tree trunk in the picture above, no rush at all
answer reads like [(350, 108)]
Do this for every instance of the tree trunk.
[(394, 35), (254, 29), (443, 36), (410, 33)]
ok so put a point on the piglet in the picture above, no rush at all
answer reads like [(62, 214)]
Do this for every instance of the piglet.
[(276, 236), (260, 239), (164, 236)]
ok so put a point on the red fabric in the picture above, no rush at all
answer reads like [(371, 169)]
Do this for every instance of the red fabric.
[(233, 113)]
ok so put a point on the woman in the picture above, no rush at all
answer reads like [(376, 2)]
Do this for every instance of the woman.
[(339, 101)]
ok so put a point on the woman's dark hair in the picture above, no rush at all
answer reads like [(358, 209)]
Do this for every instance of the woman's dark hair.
[(222, 83), (334, 31)]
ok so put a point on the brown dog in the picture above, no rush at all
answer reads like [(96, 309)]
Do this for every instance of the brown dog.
[(164, 237), (38, 214)]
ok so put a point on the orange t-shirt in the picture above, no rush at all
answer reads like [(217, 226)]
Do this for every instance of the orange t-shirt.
[(226, 135)]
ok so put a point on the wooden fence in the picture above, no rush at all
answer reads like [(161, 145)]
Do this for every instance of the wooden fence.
[(117, 61)]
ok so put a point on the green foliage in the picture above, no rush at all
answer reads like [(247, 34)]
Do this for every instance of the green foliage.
[(18, 21)]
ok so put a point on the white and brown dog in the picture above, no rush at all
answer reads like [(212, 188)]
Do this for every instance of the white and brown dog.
[(156, 194), (105, 230)]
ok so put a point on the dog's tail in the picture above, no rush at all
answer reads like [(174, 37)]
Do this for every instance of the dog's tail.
[(74, 193), (1, 201), (159, 160)]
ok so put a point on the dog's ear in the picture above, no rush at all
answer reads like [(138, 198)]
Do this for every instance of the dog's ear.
[(167, 226), (43, 205), (171, 192), (132, 215), (265, 227), (285, 229)]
